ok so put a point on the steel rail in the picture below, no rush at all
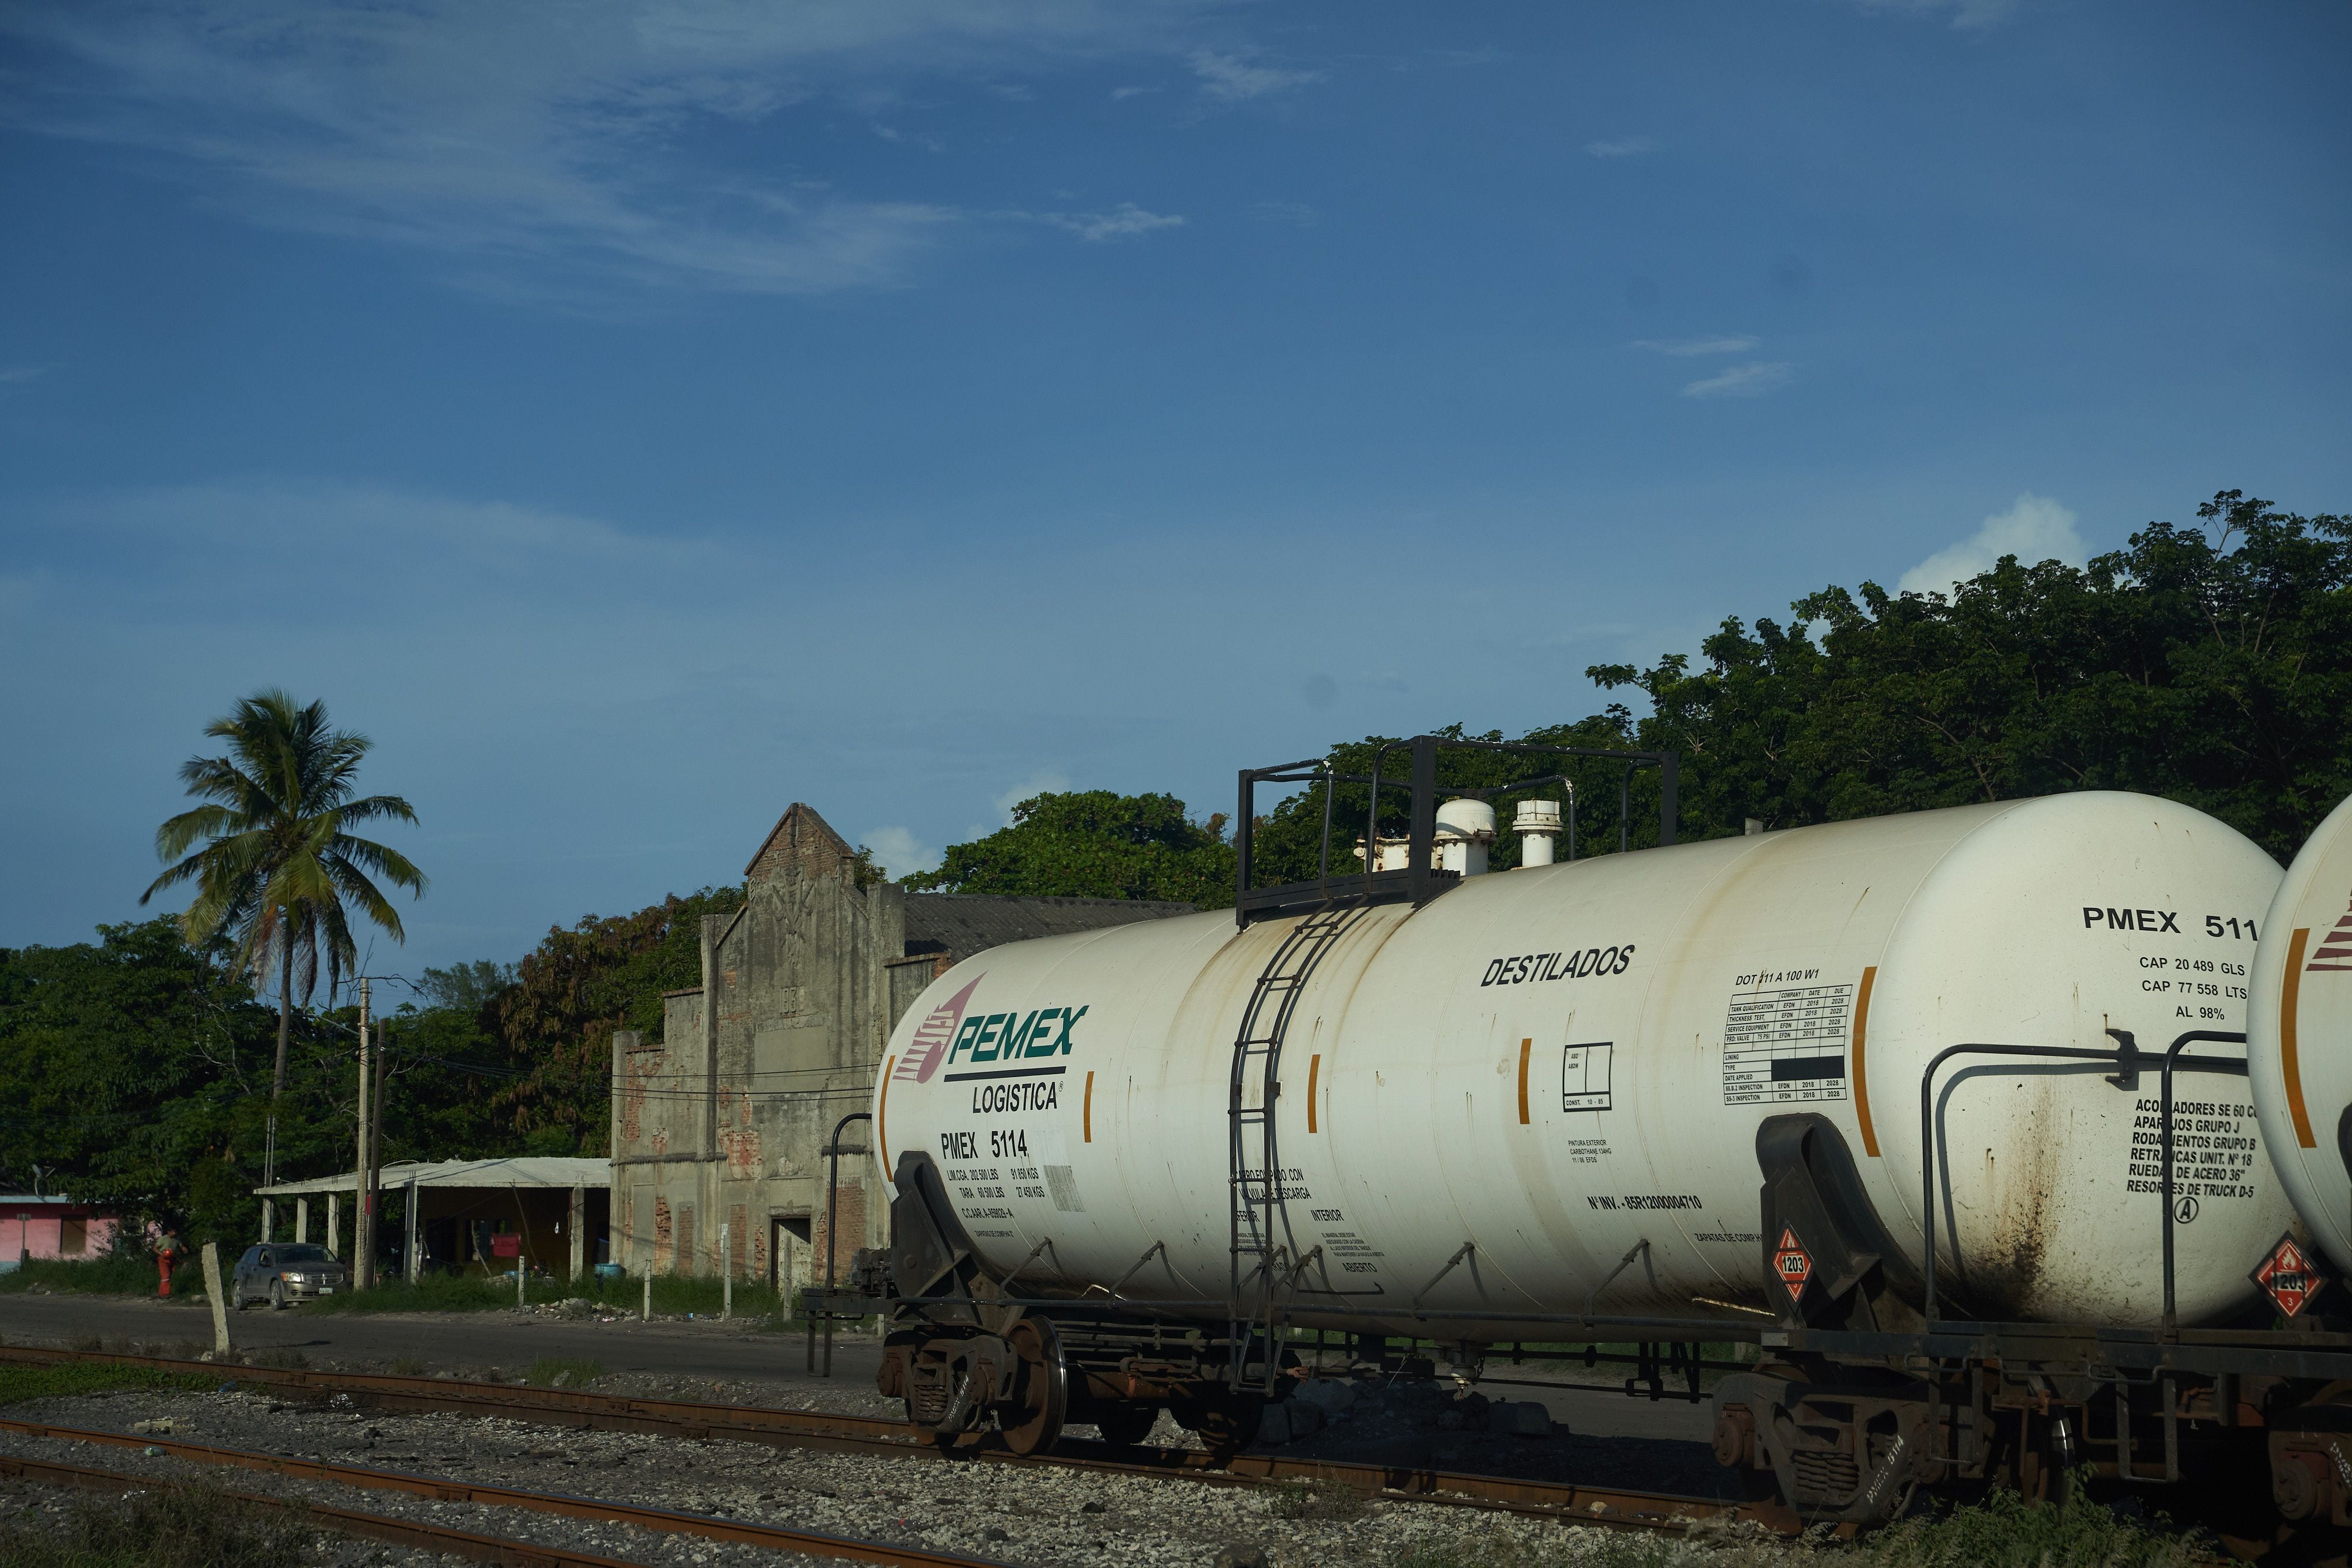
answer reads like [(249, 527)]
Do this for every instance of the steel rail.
[(444, 1538), (563, 1505), (580, 1408)]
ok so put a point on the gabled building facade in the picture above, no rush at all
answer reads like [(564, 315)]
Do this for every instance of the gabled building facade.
[(720, 1127)]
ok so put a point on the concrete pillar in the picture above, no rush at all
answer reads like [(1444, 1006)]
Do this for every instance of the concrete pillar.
[(335, 1224), (415, 1235), (578, 1225), (269, 1221), (301, 1219)]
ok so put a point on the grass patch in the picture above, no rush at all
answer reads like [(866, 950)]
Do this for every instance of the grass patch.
[(409, 1366), (2003, 1532), (673, 1297), (1308, 1500), (116, 1274), (577, 1371), (168, 1527), (18, 1384)]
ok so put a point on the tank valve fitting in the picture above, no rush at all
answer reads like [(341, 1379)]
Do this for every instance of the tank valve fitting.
[(1538, 825), (1465, 828)]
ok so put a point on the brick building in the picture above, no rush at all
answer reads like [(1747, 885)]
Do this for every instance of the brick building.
[(724, 1121)]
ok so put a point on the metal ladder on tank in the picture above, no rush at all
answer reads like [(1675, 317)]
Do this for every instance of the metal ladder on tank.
[(1261, 1240)]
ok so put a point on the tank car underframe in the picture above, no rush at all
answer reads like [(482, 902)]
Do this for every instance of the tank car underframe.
[(1849, 1424)]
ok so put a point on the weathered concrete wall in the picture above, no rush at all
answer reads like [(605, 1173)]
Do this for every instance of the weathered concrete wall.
[(724, 1121)]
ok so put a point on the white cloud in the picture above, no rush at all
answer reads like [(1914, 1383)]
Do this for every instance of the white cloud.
[(535, 131), (1626, 147), (1233, 76), (1966, 15), (2034, 529), (1044, 781), (1689, 346), (1121, 94), (1124, 222), (900, 852), (19, 375), (1749, 380)]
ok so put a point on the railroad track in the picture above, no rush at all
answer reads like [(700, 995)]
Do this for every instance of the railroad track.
[(583, 1409), (441, 1538)]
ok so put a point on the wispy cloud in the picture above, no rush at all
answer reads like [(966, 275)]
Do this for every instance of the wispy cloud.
[(899, 852), (2035, 529), (1123, 222), (1121, 94), (534, 133), (1750, 379), (1236, 77), (910, 138), (1626, 147), (1689, 346), (19, 376), (1966, 15)]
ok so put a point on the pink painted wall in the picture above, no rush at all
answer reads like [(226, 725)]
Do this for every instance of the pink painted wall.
[(47, 1230)]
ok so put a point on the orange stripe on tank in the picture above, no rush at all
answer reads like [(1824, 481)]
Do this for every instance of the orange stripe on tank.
[(2290, 1061), (1862, 1083), (1088, 1116), (1527, 1048), (882, 1117), (1314, 1072)]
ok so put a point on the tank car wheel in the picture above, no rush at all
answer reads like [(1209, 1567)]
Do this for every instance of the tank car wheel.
[(1126, 1423), (1043, 1399), (1226, 1423)]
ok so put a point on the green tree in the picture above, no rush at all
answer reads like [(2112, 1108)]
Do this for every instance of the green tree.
[(572, 991), (1095, 844), (277, 866), (2211, 664), (132, 1068)]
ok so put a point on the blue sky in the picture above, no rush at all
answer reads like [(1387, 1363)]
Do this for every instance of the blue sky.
[(638, 416)]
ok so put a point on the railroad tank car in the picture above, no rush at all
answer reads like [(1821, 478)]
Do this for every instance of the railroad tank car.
[(2299, 1035), (1550, 1090), (1946, 1116)]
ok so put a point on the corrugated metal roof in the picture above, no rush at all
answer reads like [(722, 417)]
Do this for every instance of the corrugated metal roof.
[(532, 1170), (963, 924)]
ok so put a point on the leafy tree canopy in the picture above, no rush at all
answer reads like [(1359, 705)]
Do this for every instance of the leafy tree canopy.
[(1095, 844)]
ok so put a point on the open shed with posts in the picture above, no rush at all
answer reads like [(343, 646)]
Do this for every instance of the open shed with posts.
[(475, 1217)]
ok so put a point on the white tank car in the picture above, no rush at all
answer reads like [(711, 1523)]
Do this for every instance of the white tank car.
[(2299, 1035), (1556, 1064)]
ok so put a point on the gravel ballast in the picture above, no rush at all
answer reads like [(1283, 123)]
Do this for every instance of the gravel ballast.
[(1007, 1513)]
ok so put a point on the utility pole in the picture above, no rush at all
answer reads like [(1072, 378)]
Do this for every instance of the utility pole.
[(363, 1209), (375, 1107)]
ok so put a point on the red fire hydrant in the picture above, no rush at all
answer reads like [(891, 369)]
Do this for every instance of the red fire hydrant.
[(165, 1252)]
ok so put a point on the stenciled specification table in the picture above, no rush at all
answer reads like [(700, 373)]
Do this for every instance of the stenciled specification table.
[(1786, 1043)]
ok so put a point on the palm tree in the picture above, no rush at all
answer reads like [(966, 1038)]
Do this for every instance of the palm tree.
[(277, 867)]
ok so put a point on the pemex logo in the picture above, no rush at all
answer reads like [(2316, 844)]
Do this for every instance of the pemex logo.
[(2334, 949), (928, 1048)]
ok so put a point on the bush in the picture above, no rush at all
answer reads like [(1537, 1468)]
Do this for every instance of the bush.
[(115, 1274)]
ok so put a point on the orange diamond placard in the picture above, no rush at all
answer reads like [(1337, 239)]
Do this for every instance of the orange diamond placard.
[(2288, 1277), (1792, 1263)]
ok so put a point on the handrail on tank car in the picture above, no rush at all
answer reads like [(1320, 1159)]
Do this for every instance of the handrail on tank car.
[(2126, 1056), (1419, 881), (1733, 1329), (832, 1240), (2206, 1064)]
